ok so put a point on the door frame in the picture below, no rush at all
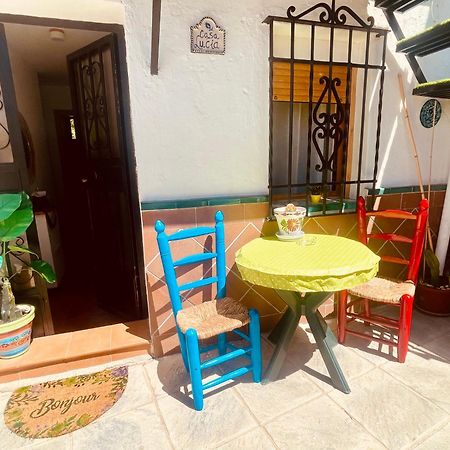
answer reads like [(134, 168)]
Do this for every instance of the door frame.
[(130, 154)]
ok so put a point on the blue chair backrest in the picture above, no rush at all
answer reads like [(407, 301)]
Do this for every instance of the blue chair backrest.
[(169, 265)]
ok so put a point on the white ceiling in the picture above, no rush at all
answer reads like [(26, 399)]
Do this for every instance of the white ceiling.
[(47, 57)]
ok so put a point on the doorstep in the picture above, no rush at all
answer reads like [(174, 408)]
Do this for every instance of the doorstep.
[(67, 351)]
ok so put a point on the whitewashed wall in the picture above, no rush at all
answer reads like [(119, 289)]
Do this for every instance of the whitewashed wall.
[(201, 126), (28, 99), (397, 166)]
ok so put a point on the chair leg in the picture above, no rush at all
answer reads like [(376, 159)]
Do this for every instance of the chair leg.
[(182, 339), (342, 316), (255, 342), (406, 307), (366, 310), (193, 353), (222, 343)]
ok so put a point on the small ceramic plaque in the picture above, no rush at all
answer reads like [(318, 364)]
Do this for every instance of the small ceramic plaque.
[(207, 37), (429, 117)]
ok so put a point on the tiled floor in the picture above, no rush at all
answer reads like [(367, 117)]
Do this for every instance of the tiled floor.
[(392, 405)]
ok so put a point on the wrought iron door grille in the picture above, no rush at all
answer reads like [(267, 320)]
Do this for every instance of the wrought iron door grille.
[(319, 59)]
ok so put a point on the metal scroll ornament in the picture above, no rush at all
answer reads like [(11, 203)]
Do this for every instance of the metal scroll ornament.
[(328, 124), (4, 133), (94, 105), (332, 15)]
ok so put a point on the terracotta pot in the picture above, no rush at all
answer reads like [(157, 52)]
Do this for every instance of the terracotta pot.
[(431, 300), (15, 336)]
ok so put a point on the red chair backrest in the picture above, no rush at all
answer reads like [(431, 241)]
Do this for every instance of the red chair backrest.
[(416, 240)]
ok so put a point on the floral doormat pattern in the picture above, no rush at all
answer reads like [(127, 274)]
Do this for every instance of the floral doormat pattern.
[(54, 408)]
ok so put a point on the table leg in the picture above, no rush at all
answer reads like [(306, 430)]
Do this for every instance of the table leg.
[(284, 331), (325, 339), (282, 334), (290, 298)]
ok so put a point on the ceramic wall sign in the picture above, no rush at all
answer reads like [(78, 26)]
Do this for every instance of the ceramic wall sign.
[(207, 37)]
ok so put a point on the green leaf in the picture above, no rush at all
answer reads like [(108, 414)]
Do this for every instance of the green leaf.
[(433, 264), (44, 269), (18, 222), (17, 249), (8, 204)]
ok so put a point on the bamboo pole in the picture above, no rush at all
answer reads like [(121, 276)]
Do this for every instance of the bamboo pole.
[(414, 149)]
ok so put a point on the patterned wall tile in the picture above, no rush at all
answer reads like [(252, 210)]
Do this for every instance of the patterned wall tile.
[(243, 222)]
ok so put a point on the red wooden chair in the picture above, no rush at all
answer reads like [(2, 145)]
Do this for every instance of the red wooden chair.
[(382, 290)]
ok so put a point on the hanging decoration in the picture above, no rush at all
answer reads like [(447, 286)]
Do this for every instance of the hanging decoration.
[(429, 117)]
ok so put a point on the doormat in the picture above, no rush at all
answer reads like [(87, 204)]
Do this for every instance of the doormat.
[(54, 408)]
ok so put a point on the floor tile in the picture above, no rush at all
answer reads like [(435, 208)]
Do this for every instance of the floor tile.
[(224, 415), (320, 424), (136, 394), (257, 439), (290, 389), (440, 346), (388, 409), (427, 374), (141, 428), (438, 441), (425, 328), (168, 376), (305, 353)]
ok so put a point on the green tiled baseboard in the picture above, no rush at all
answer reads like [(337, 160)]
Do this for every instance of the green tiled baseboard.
[(197, 203), (405, 189), (349, 206)]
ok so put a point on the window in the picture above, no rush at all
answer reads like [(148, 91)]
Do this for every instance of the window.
[(326, 89)]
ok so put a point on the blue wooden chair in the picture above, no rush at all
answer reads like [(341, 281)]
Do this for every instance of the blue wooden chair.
[(213, 318)]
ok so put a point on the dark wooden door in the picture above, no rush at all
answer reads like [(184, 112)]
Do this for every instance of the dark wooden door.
[(94, 72)]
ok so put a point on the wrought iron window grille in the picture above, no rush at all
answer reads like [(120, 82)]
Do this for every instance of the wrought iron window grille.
[(329, 100)]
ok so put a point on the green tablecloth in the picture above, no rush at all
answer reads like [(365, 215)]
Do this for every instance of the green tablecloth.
[(328, 263)]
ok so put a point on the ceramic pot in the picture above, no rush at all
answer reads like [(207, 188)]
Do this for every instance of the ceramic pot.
[(290, 222), (431, 300), (15, 336)]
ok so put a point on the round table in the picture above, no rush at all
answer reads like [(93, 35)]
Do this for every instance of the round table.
[(305, 273)]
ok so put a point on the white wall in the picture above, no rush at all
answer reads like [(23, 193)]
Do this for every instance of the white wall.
[(54, 97), (397, 166), (201, 126), (28, 98)]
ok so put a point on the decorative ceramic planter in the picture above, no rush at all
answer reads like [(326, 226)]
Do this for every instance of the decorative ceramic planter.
[(290, 222), (431, 300), (315, 198), (15, 336)]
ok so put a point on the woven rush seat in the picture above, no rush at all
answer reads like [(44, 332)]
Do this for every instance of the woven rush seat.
[(213, 317), (384, 290)]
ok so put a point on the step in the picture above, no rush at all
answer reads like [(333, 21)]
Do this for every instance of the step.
[(77, 349), (397, 5), (429, 41), (434, 89)]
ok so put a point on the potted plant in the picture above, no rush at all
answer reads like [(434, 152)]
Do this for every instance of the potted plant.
[(16, 215), (315, 194), (433, 293), (290, 220)]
